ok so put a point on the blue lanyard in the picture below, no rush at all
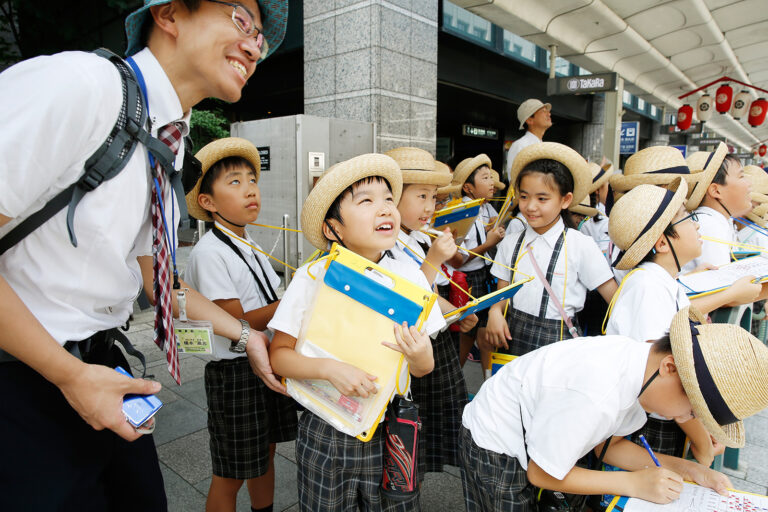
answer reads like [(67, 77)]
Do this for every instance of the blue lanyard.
[(410, 253), (158, 192)]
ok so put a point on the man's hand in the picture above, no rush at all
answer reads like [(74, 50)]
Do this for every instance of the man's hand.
[(96, 393), (258, 358)]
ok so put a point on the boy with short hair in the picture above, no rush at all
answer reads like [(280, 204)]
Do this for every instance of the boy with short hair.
[(245, 418), (354, 204), (62, 303), (601, 389)]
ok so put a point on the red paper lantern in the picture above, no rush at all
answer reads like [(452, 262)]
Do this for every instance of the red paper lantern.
[(684, 117), (740, 105), (723, 98), (762, 150), (757, 112), (704, 108)]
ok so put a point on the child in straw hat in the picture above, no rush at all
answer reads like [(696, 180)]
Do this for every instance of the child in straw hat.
[(473, 176), (601, 388), (655, 165), (354, 204), (546, 178), (227, 268), (441, 394), (656, 236), (752, 228), (722, 193)]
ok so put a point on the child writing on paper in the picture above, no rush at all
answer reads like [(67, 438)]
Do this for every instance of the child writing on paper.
[(531, 422), (354, 204), (245, 418), (474, 177), (546, 178), (441, 394), (657, 236)]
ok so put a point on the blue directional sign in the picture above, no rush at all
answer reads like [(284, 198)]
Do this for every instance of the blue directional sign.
[(630, 137)]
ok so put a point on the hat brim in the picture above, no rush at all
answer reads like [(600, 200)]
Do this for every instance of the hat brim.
[(426, 177), (732, 435), (574, 162), (212, 153), (450, 190), (704, 177), (547, 106), (602, 180), (462, 172), (624, 183), (642, 246), (335, 180)]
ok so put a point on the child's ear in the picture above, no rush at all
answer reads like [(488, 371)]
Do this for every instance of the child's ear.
[(466, 188), (667, 366), (327, 233), (661, 245), (206, 202), (566, 201), (713, 190)]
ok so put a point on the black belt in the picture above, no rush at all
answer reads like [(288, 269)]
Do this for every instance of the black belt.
[(89, 349)]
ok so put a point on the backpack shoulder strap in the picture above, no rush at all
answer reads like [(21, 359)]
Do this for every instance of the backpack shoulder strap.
[(105, 163)]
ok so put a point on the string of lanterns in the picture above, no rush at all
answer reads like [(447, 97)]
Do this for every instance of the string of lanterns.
[(724, 102)]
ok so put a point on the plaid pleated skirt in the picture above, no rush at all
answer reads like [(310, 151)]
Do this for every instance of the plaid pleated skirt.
[(478, 282), (244, 418), (338, 472), (441, 395), (493, 481), (530, 332), (664, 436)]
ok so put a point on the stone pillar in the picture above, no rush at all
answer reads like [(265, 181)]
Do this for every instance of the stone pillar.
[(592, 133), (612, 127), (658, 138), (374, 60)]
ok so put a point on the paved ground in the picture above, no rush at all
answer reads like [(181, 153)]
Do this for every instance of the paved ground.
[(182, 440)]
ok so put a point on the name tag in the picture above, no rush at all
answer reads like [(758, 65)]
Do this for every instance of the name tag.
[(194, 336)]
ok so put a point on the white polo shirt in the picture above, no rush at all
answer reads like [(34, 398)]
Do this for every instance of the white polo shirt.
[(477, 236), (573, 395), (218, 273), (526, 140), (752, 236), (48, 133), (299, 297), (586, 269), (713, 224), (648, 301)]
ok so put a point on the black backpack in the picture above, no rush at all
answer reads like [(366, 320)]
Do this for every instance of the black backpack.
[(107, 161)]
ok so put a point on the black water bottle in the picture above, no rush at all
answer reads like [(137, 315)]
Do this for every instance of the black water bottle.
[(401, 447)]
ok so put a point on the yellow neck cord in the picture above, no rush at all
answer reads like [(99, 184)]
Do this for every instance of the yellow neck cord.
[(615, 297), (246, 242)]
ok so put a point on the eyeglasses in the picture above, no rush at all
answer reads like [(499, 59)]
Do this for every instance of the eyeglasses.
[(693, 216), (243, 20)]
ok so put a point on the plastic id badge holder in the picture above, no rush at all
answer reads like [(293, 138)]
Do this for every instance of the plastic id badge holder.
[(484, 302), (355, 308), (498, 360), (459, 218)]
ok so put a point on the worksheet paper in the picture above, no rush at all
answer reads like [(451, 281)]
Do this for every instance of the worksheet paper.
[(701, 499), (726, 275)]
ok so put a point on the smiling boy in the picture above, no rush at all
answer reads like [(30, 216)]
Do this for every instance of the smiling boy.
[(63, 302)]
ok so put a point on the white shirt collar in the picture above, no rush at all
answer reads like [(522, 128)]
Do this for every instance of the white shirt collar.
[(662, 274), (551, 235), (164, 103)]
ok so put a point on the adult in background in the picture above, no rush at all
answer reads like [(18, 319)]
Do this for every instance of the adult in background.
[(535, 117)]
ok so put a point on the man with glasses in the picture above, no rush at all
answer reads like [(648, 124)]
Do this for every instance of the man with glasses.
[(65, 441)]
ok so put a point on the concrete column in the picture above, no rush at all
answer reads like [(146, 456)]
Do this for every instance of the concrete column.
[(657, 138), (612, 128), (374, 60), (592, 132)]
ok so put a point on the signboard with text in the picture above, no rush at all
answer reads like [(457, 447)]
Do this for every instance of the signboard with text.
[(630, 137), (582, 84)]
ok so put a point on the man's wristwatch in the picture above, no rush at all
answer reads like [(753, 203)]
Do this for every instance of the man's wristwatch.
[(238, 347)]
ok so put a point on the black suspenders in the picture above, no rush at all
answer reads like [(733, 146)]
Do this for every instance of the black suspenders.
[(270, 297), (550, 269)]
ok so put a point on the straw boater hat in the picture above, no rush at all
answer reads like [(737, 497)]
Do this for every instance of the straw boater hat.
[(758, 177), (724, 371), (419, 167), (335, 180), (759, 214), (467, 167), (655, 165), (640, 217), (497, 183), (573, 161), (704, 166), (212, 153), (448, 189), (599, 177)]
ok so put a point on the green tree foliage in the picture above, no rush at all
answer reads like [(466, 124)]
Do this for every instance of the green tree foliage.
[(206, 126)]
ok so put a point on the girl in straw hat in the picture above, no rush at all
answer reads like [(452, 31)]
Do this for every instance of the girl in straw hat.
[(226, 267), (601, 389), (473, 176), (656, 236), (546, 178), (354, 203), (722, 193), (442, 394)]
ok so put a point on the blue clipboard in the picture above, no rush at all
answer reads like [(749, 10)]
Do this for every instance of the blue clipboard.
[(484, 302)]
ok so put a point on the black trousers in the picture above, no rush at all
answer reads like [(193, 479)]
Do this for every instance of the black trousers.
[(52, 460)]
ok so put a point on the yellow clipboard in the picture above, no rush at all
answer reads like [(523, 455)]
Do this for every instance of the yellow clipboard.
[(355, 308), (498, 360), (459, 218)]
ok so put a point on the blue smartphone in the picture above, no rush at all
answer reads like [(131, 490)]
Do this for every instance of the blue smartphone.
[(139, 408)]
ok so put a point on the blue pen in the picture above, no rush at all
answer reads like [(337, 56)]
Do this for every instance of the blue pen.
[(650, 452)]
